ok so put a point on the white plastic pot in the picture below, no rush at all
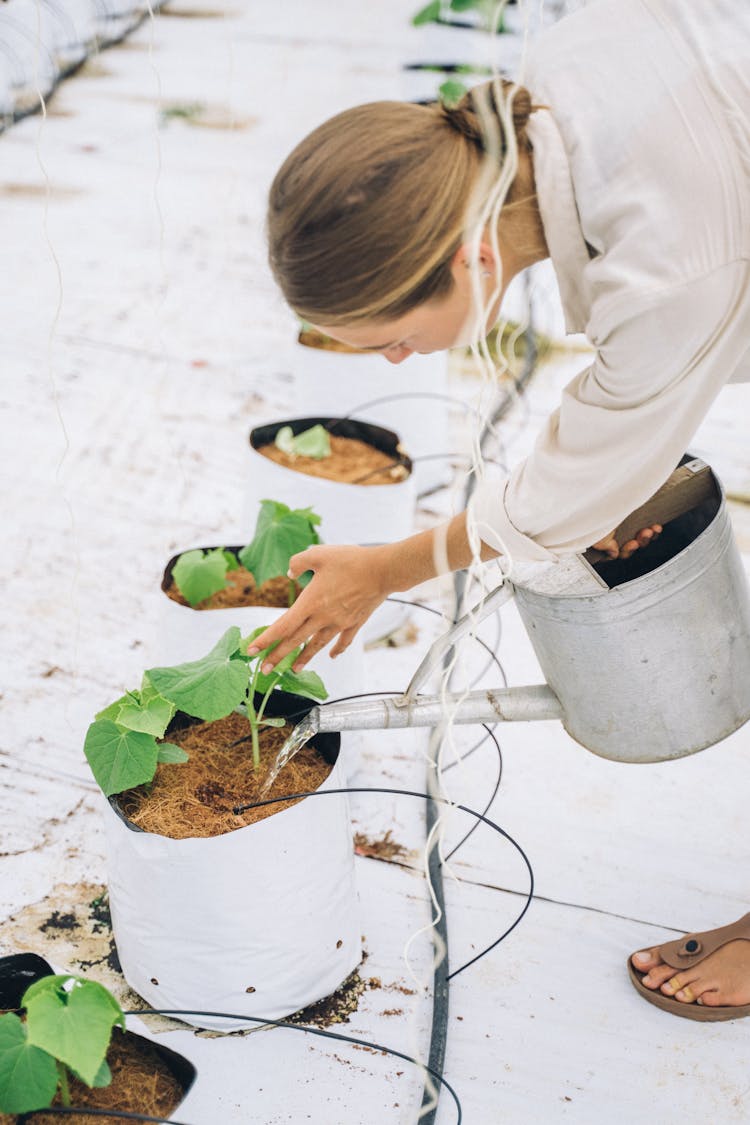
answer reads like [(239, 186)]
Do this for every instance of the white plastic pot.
[(260, 922), (188, 634), (351, 513), (344, 383)]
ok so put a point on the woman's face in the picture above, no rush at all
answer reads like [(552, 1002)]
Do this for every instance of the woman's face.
[(449, 322)]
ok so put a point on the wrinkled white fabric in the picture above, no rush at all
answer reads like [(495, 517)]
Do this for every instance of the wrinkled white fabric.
[(642, 164)]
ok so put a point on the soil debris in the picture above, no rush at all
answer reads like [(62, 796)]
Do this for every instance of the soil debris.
[(386, 848), (404, 635), (336, 1008)]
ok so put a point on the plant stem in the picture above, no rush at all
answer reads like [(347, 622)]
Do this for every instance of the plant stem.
[(252, 717), (291, 592), (62, 1075)]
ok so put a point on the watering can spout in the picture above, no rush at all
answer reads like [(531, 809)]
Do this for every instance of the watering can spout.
[(514, 704)]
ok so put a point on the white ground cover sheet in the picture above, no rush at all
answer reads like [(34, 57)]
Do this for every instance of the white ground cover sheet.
[(137, 307)]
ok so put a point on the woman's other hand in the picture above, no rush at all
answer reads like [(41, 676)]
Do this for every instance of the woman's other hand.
[(348, 584), (613, 550)]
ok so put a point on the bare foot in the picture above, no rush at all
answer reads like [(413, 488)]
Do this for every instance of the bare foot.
[(721, 979)]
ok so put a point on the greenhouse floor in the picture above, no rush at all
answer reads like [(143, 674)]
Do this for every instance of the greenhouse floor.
[(144, 337)]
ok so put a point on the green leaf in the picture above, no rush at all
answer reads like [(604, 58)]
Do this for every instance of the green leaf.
[(315, 442), (73, 1023), (28, 1075), (428, 14), (113, 710), (171, 754), (119, 758), (307, 684), (103, 1076), (211, 687), (231, 560), (146, 711), (265, 682), (280, 532), (279, 722), (199, 574), (451, 92), (284, 440)]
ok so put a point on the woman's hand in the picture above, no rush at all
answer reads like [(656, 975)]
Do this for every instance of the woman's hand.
[(349, 583), (611, 547)]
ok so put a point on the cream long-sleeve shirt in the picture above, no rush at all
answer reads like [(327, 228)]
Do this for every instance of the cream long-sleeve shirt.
[(642, 166)]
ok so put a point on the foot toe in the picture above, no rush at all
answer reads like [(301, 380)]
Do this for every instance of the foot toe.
[(645, 959), (656, 977)]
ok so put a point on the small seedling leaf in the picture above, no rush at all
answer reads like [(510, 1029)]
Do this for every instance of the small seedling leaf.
[(284, 440), (451, 92), (307, 684), (199, 574), (73, 1024), (428, 14), (28, 1075), (211, 687), (119, 758), (171, 754), (280, 532), (315, 442), (113, 710), (278, 722), (231, 560), (146, 711)]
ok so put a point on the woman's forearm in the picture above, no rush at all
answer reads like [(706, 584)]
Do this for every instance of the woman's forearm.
[(423, 556)]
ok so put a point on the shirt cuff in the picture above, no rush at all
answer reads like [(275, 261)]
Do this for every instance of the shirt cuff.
[(488, 519)]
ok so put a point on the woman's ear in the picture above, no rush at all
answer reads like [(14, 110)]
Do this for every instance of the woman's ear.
[(460, 266)]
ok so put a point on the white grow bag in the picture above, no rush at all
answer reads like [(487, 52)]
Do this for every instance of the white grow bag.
[(351, 513), (188, 634), (344, 383), (260, 922)]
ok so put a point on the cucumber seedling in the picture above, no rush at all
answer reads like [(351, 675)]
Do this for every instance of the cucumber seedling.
[(280, 532), (123, 744), (66, 1031)]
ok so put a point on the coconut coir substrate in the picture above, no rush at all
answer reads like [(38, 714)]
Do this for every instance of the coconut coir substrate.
[(141, 1083), (351, 462), (196, 798), (241, 590)]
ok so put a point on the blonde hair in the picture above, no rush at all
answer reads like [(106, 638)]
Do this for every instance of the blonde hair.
[(366, 213)]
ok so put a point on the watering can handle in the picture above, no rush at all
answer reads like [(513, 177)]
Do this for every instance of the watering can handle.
[(687, 487), (437, 651)]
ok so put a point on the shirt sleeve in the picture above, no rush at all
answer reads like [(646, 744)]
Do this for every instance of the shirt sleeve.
[(623, 423)]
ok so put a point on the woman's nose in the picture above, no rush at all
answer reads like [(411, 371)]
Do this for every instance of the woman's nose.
[(398, 354)]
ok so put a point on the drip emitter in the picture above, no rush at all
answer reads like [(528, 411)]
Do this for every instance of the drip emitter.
[(646, 659)]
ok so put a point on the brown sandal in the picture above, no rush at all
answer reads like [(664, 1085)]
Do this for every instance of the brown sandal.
[(683, 954)]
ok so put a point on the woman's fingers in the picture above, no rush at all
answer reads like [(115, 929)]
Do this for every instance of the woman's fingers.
[(304, 561), (345, 639), (313, 647), (291, 630)]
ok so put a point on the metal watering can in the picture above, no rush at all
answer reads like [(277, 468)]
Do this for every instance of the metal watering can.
[(646, 659)]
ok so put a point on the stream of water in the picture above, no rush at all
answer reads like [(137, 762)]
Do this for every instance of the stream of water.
[(301, 735)]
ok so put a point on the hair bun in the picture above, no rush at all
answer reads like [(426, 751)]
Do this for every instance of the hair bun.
[(482, 108)]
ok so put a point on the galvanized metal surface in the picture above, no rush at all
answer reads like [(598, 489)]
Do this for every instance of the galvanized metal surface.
[(656, 668), (509, 705)]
